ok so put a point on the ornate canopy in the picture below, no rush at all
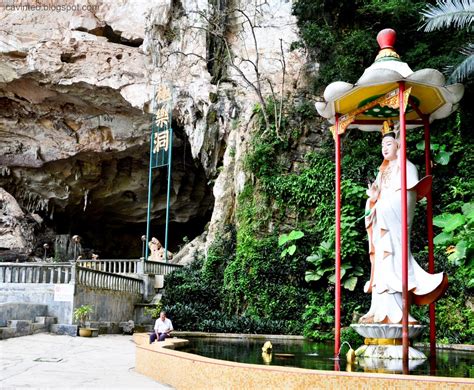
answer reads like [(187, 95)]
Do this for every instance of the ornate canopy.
[(373, 98)]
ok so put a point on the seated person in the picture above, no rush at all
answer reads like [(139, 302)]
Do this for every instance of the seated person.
[(163, 328)]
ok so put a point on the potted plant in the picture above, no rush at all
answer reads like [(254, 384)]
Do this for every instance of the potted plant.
[(81, 314)]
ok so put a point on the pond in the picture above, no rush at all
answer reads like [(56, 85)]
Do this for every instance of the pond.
[(318, 356)]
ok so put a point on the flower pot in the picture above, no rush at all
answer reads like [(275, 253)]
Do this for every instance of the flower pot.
[(85, 332)]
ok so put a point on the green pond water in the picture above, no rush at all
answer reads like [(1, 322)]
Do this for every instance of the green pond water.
[(319, 356)]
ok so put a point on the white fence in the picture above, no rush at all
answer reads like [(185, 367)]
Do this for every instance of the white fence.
[(98, 279), (36, 273), (111, 274), (114, 266)]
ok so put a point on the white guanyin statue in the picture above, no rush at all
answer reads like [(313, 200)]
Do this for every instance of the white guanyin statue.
[(384, 228)]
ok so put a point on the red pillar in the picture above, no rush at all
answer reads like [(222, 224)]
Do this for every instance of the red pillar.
[(403, 171), (337, 316), (429, 224)]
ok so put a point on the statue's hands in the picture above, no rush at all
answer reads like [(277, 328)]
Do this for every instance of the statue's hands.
[(372, 191)]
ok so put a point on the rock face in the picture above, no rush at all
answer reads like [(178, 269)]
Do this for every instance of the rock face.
[(76, 103), (15, 230)]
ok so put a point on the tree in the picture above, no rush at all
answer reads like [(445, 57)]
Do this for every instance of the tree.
[(458, 14), (223, 26)]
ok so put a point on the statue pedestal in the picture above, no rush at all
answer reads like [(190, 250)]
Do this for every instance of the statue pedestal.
[(387, 366), (384, 341)]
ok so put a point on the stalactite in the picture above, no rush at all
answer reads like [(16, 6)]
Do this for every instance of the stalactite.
[(4, 171), (86, 195), (33, 202)]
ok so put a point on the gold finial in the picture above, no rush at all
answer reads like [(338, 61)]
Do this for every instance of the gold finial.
[(386, 40), (387, 54)]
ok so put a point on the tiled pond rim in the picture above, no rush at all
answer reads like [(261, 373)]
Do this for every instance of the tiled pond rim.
[(183, 370)]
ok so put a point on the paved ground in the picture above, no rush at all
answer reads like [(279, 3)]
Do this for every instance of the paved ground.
[(104, 362)]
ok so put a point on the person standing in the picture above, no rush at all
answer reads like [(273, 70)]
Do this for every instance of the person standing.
[(163, 328)]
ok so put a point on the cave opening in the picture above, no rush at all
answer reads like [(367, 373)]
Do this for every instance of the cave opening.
[(107, 205)]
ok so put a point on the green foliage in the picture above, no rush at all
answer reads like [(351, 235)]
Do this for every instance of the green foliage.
[(322, 260), (205, 295), (201, 282), (289, 239), (323, 263), (319, 316), (198, 318), (441, 156), (456, 321), (457, 237), (259, 283), (350, 336), (153, 312), (82, 313)]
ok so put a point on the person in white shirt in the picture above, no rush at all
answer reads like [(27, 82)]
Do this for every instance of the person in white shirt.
[(163, 328)]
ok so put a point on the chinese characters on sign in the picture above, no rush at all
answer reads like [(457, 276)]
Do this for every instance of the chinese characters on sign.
[(161, 141), (160, 135)]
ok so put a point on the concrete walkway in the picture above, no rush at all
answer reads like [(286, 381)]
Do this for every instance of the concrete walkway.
[(47, 361)]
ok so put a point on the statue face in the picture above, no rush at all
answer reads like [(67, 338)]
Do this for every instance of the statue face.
[(389, 148)]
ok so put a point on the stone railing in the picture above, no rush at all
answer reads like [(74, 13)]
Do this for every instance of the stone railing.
[(98, 279), (113, 266), (36, 273), (159, 268), (106, 274), (61, 273)]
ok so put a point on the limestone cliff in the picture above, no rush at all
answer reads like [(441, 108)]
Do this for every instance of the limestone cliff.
[(76, 92)]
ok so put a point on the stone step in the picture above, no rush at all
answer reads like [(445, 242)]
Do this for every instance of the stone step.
[(140, 328), (38, 328), (6, 333), (46, 320), (21, 311), (20, 326), (104, 327), (70, 330)]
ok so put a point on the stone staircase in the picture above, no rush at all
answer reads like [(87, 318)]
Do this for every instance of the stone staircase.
[(17, 328), (144, 323)]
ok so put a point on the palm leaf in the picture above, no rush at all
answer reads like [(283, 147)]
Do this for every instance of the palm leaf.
[(448, 13), (464, 69)]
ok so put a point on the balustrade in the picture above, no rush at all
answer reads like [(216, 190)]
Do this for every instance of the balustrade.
[(98, 279), (160, 268), (114, 266), (107, 274), (56, 273)]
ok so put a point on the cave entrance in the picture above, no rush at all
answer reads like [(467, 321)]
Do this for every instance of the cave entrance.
[(110, 216)]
